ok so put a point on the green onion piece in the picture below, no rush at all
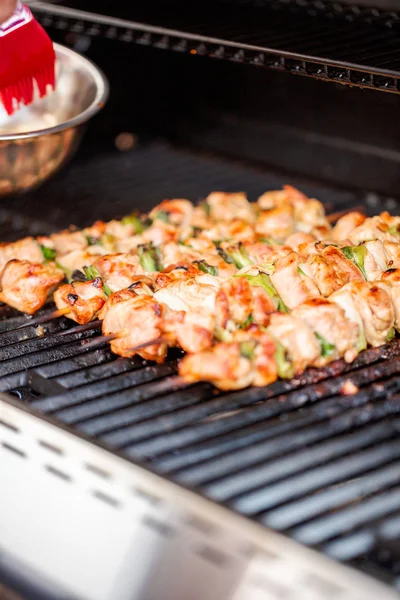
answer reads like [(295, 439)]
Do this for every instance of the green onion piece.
[(285, 368), (357, 255), (48, 253), (107, 241), (206, 207), (263, 280), (362, 341), (224, 255), (247, 348), (390, 334), (270, 241), (394, 230), (206, 268), (149, 258), (300, 271), (240, 257), (222, 335), (134, 220), (92, 273), (91, 241), (162, 215), (327, 349), (247, 322)]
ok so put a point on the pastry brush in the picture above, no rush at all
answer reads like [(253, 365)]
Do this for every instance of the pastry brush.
[(27, 58)]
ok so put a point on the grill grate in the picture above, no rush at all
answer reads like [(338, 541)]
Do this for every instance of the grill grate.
[(297, 456)]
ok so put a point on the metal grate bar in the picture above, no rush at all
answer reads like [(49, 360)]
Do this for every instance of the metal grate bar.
[(102, 388), (39, 358), (159, 407), (329, 527), (210, 471), (99, 372), (75, 364), (328, 475), (275, 406), (291, 425), (256, 478), (38, 344), (300, 510)]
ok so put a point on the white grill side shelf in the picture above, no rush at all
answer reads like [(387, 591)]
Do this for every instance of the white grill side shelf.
[(87, 524)]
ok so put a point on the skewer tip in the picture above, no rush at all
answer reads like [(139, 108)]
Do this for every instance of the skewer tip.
[(55, 314)]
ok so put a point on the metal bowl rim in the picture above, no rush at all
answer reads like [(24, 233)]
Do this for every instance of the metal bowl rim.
[(102, 91)]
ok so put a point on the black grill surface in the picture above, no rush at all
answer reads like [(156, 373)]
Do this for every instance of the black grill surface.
[(298, 456)]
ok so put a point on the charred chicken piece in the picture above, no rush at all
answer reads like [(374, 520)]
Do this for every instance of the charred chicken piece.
[(83, 299), (250, 359), (136, 320), (26, 286)]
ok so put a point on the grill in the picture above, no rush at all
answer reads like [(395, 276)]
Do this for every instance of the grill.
[(298, 457), (118, 478)]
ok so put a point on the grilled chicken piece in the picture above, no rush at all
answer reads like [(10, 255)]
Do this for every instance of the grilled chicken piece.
[(68, 241), (346, 224), (295, 212), (25, 249), (249, 360), (390, 281), (234, 229), (95, 231), (392, 251), (138, 320), (371, 307), (292, 285), (84, 299), (237, 302), (272, 199), (230, 207), (322, 272), (328, 267), (191, 297), (309, 213), (337, 336), (345, 269), (262, 253), (176, 212), (26, 286), (298, 239), (118, 270), (382, 227), (278, 223), (186, 253), (375, 260), (76, 260), (158, 233), (297, 338)]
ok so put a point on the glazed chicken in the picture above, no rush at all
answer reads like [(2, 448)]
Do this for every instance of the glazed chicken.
[(250, 291), (26, 286)]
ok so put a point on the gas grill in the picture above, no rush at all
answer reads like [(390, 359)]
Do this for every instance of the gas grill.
[(117, 481)]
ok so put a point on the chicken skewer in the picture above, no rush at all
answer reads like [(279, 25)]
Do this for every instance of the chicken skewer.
[(314, 334), (295, 277), (171, 223)]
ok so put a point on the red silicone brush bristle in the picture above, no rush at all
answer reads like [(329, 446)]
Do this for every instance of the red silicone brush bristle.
[(27, 55)]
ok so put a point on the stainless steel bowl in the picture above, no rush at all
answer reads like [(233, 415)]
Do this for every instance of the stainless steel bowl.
[(38, 139)]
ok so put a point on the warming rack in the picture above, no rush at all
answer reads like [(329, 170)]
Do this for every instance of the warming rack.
[(344, 44)]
